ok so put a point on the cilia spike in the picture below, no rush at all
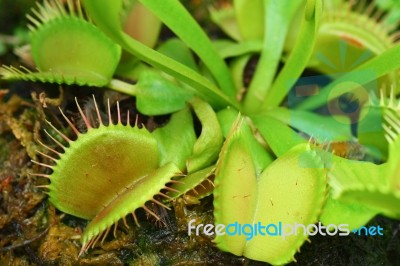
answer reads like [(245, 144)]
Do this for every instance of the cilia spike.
[(106, 173)]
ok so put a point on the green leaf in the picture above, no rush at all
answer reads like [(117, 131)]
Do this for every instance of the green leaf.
[(177, 50), (235, 186), (227, 119), (393, 9), (296, 198), (178, 19), (280, 137), (231, 49), (157, 95), (322, 128), (339, 212), (208, 145), (364, 183), (299, 56), (371, 133), (176, 139), (278, 15)]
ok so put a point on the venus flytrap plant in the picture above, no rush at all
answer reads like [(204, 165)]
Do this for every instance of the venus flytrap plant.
[(114, 169), (265, 170), (118, 168), (58, 65), (292, 70), (345, 23)]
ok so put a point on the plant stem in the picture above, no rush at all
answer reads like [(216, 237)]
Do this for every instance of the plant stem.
[(121, 86)]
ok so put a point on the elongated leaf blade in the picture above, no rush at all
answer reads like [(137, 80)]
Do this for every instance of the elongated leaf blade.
[(179, 20), (278, 15), (299, 57), (322, 128)]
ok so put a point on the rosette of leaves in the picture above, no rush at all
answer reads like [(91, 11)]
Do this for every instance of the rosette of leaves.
[(265, 165), (262, 98)]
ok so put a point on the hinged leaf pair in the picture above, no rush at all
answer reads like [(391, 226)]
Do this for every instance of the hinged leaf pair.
[(289, 190)]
